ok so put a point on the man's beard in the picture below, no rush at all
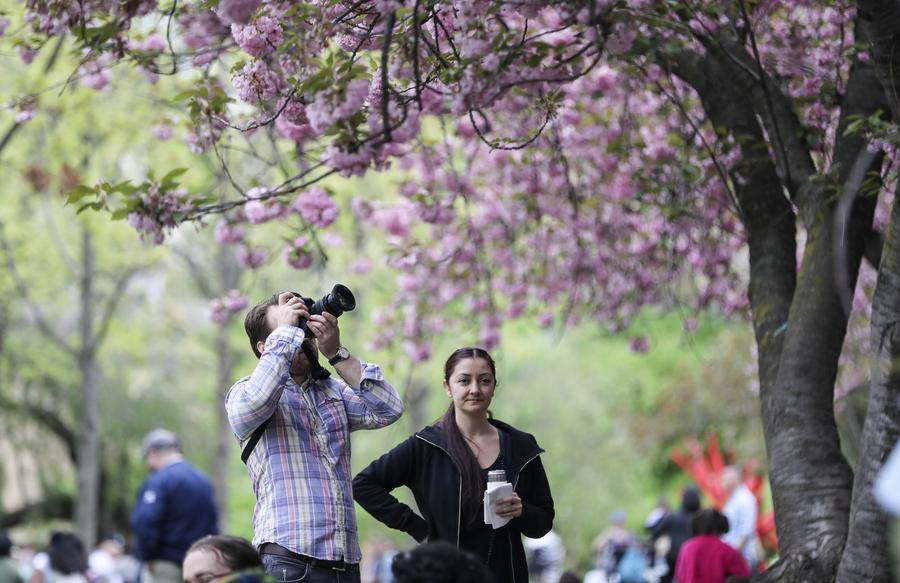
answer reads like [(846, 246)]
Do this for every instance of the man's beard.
[(300, 366)]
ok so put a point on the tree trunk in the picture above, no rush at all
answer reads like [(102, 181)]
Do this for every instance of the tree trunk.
[(86, 508), (799, 322), (811, 480), (225, 444), (867, 555)]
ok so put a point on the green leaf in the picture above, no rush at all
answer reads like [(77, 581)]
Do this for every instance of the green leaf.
[(120, 214), (91, 205), (173, 174), (79, 192)]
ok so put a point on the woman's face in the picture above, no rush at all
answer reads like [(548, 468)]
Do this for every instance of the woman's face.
[(471, 385)]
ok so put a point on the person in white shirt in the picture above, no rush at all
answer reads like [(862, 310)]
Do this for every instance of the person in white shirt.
[(741, 511)]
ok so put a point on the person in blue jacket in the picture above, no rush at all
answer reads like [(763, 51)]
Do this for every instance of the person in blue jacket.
[(445, 465), (175, 507)]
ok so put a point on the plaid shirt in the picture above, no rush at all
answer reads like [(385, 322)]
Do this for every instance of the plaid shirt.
[(300, 468)]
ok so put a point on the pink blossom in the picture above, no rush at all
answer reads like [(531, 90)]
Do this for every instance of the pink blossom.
[(362, 209), (4, 24), (25, 114), (394, 220), (237, 11), (640, 344), (256, 212), (489, 335), (545, 319), (349, 163), (316, 207), (162, 131), (690, 324), (256, 82), (201, 30), (153, 43), (221, 309), (293, 123), (250, 258), (228, 233), (26, 53), (361, 266), (259, 38), (297, 255), (417, 352)]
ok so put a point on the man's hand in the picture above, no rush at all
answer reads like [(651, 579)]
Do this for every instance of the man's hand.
[(325, 327), (290, 311)]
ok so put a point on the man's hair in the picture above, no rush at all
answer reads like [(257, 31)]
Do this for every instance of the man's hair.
[(709, 521), (257, 325), (439, 562), (236, 552)]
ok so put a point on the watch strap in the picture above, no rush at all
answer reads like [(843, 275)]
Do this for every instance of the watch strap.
[(341, 355)]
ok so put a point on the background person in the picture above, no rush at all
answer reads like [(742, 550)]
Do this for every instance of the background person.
[(9, 571), (676, 527), (439, 562), (175, 507), (705, 558), (741, 511), (293, 421), (445, 466), (219, 556), (64, 562)]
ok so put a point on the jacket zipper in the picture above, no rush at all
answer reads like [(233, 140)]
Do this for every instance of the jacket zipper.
[(459, 496), (522, 467), (512, 563)]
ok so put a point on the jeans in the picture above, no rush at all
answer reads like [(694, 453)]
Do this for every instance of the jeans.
[(288, 570)]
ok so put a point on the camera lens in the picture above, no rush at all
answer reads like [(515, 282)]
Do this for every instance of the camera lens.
[(336, 302)]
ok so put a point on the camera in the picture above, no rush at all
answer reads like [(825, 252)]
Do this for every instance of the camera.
[(339, 300)]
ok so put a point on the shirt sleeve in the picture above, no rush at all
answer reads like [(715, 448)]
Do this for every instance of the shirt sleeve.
[(372, 489), (374, 404), (146, 519), (537, 515), (253, 400)]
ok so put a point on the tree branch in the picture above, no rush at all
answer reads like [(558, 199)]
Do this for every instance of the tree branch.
[(39, 317)]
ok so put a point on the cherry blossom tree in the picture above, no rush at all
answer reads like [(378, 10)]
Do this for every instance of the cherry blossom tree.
[(564, 161)]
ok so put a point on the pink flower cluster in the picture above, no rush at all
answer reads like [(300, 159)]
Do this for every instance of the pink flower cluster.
[(229, 233), (259, 38), (251, 257), (297, 253), (256, 82), (335, 104), (222, 309), (316, 207), (159, 213), (293, 123), (237, 11)]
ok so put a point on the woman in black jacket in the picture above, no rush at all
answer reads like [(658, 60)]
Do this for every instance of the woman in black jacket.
[(445, 466)]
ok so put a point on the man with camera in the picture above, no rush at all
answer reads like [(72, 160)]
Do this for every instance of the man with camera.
[(293, 421)]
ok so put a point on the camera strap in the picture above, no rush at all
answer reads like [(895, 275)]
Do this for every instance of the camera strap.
[(316, 371)]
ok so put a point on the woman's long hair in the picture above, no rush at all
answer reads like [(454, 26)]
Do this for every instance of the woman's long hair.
[(472, 483)]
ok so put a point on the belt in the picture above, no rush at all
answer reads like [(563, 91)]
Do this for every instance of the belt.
[(280, 551)]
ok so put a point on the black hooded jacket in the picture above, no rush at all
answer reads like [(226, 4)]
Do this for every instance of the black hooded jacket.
[(422, 464)]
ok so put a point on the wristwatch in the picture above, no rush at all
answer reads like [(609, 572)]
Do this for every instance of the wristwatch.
[(342, 354)]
